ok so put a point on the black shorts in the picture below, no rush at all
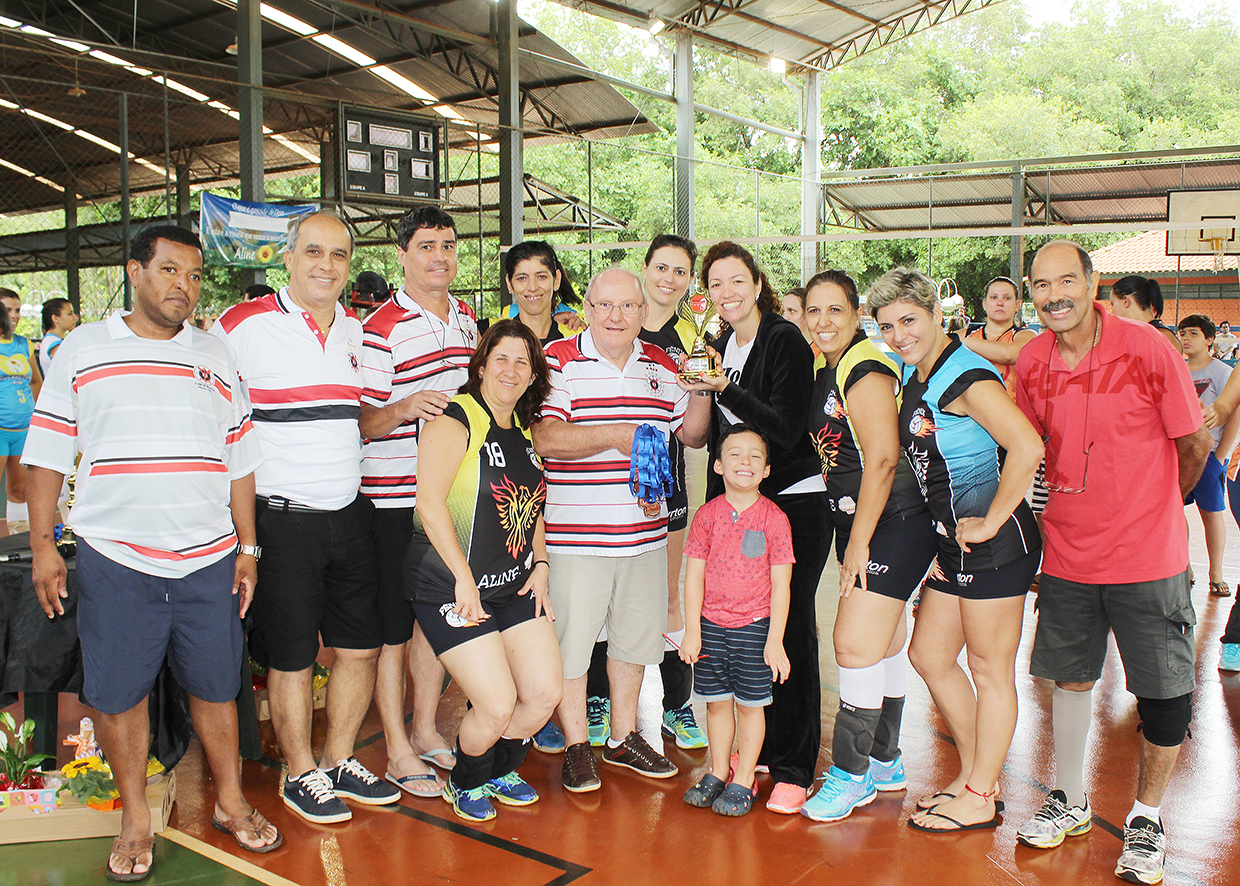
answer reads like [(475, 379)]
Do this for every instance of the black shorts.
[(391, 529), (1012, 580), (901, 551), (128, 621), (444, 629), (317, 576), (678, 501)]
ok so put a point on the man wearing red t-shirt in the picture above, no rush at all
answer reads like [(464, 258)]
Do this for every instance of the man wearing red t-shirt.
[(1106, 393)]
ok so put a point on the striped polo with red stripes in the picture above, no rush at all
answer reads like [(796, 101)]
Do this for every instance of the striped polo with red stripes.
[(406, 349), (163, 430), (304, 389), (591, 509)]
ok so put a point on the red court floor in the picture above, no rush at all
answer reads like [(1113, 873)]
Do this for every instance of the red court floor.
[(638, 831)]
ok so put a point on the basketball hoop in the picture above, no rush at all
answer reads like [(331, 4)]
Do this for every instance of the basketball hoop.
[(1217, 238)]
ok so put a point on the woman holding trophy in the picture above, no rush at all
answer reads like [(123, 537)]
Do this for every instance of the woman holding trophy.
[(764, 377)]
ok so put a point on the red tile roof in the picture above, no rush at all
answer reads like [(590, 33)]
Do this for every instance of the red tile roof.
[(1147, 253)]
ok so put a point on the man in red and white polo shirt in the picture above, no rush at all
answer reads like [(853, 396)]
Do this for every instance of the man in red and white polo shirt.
[(298, 353), (415, 355), (607, 550), (154, 405)]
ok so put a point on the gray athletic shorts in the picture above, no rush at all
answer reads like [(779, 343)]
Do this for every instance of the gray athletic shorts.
[(1153, 626)]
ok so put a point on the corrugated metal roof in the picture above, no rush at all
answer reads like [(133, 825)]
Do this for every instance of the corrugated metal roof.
[(814, 33), (445, 48), (1096, 194)]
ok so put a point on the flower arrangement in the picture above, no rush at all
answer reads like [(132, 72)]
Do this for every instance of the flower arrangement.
[(90, 782), (18, 771)]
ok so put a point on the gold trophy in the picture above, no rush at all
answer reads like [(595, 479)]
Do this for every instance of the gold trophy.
[(698, 309), (68, 541)]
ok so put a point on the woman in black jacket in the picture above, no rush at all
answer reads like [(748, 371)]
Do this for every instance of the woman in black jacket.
[(766, 382)]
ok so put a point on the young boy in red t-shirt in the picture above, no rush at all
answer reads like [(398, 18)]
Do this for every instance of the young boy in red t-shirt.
[(739, 565)]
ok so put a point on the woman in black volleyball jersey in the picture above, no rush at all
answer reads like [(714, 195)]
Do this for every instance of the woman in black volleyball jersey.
[(476, 570), (884, 541)]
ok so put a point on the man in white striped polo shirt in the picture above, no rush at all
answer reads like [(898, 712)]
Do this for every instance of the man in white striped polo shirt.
[(298, 352), (415, 355), (154, 405), (607, 550)]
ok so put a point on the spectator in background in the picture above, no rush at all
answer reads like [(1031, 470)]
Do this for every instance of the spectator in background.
[(20, 381), (1139, 298), (793, 310), (59, 319), (1209, 378), (256, 290), (1002, 336), (1216, 415)]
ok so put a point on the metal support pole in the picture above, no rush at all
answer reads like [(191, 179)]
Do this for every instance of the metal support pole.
[(511, 159), (250, 111), (811, 171), (1016, 266), (682, 88), (73, 277), (184, 214), (124, 146)]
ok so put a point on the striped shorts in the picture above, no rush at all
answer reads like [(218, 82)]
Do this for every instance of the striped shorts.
[(731, 664)]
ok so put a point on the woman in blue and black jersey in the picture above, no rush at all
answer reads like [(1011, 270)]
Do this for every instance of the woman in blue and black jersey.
[(884, 541), (476, 570), (542, 294), (973, 454)]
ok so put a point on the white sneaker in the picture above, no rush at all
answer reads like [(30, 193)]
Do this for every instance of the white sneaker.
[(1145, 846), (1054, 821)]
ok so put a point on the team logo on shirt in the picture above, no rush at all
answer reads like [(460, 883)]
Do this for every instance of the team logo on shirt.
[(652, 378), (534, 459), (922, 423), (518, 508), (203, 377), (353, 364)]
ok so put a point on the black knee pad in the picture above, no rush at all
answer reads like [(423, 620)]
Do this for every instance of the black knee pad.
[(1164, 721)]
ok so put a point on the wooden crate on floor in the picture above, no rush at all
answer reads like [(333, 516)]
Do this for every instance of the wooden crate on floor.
[(73, 821)]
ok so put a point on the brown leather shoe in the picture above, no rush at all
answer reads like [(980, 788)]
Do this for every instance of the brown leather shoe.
[(579, 772)]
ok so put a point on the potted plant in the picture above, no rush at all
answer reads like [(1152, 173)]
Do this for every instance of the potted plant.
[(89, 780), (19, 765)]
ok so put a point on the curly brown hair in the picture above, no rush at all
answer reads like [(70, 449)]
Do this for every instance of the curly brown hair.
[(529, 407)]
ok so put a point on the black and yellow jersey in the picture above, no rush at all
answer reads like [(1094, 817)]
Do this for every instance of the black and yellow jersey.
[(495, 502), (831, 430)]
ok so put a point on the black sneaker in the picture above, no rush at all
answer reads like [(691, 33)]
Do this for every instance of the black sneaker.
[(353, 781), (578, 771), (637, 755), (310, 795)]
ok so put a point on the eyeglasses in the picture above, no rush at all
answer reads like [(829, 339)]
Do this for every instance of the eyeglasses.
[(1087, 445), (627, 308)]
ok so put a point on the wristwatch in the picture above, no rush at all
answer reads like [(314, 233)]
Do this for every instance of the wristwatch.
[(253, 550)]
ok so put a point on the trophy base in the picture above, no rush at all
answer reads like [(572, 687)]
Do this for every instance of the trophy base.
[(693, 375)]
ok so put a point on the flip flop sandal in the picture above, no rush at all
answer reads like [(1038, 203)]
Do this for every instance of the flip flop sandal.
[(980, 826), (1220, 589), (923, 806), (705, 792), (407, 784), (130, 849), (432, 755), (255, 823), (734, 801)]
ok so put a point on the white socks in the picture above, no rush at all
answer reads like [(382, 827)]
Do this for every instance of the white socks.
[(863, 687), (1139, 808), (1071, 714)]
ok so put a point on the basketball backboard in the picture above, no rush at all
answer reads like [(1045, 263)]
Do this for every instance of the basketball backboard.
[(1213, 214)]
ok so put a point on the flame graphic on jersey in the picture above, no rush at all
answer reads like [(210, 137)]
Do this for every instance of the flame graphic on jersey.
[(922, 424), (518, 511), (827, 444)]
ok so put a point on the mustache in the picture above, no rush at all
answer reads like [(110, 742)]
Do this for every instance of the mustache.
[(1059, 305)]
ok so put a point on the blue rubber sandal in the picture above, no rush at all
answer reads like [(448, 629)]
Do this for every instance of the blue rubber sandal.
[(705, 792), (735, 800)]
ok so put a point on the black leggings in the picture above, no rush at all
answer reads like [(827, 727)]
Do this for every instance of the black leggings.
[(794, 717)]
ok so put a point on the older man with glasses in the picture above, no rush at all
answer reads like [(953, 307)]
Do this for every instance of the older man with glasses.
[(607, 548), (1116, 555)]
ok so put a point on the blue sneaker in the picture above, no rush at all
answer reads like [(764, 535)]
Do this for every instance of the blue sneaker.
[(353, 781), (839, 795), (472, 804), (680, 725), (888, 776), (549, 739), (512, 790), (598, 720), (1230, 659)]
